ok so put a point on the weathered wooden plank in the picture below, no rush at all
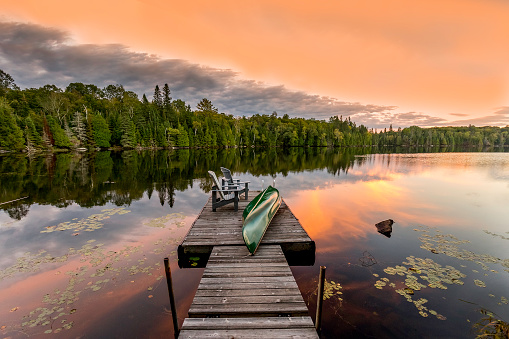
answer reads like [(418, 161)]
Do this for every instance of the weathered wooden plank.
[(248, 259), (226, 286), (272, 299), (239, 242), (247, 323), (246, 292), (251, 280), (228, 269), (209, 232), (240, 251), (303, 333), (258, 258), (245, 274), (246, 310)]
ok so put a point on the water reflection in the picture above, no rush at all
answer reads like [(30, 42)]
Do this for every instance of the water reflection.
[(338, 196)]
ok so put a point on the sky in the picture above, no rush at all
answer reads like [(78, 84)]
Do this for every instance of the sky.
[(425, 63)]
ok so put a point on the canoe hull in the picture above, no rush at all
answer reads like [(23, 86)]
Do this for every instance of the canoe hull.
[(257, 216)]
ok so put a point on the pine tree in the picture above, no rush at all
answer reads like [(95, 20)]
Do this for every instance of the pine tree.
[(128, 139), (158, 101), (11, 136), (102, 134), (166, 97), (183, 138), (90, 133), (33, 139)]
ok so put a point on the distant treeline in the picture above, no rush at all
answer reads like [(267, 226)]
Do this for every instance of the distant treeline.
[(86, 116)]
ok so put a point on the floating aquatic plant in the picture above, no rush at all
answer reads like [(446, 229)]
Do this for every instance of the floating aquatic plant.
[(164, 221), (479, 283), (449, 245), (332, 289), (420, 274), (31, 262), (89, 224)]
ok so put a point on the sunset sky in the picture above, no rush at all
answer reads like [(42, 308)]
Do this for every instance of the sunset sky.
[(426, 63)]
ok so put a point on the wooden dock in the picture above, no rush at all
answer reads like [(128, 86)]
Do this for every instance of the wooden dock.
[(245, 296), (224, 228)]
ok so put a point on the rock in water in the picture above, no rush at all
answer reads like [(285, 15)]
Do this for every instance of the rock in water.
[(385, 227)]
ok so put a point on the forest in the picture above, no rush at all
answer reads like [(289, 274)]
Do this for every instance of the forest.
[(84, 116)]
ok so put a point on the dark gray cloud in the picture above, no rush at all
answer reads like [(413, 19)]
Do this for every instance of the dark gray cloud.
[(36, 56)]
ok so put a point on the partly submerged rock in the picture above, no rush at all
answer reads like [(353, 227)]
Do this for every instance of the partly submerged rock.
[(385, 227)]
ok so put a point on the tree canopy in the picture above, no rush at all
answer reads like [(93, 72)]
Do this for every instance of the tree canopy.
[(84, 115)]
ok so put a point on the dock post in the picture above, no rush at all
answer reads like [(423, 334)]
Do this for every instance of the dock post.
[(172, 297), (319, 300)]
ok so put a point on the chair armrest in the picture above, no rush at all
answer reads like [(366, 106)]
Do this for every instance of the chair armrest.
[(230, 189), (230, 185)]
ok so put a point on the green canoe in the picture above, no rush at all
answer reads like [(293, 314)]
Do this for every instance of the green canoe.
[(257, 216)]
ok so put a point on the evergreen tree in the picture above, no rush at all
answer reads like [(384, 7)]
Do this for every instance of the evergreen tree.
[(59, 137), (11, 136), (166, 97), (183, 138), (128, 139), (90, 133), (33, 138), (101, 131), (205, 105), (6, 83), (158, 101), (144, 99)]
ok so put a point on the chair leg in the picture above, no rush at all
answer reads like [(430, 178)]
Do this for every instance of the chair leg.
[(214, 198), (247, 191), (236, 201)]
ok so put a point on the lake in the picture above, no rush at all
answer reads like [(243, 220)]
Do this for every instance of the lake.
[(81, 252)]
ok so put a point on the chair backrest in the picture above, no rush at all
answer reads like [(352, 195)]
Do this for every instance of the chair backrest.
[(227, 174), (216, 183)]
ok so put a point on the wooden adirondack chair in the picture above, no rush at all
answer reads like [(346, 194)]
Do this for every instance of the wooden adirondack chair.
[(227, 194), (232, 181)]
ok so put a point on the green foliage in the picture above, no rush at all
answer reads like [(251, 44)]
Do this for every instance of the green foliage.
[(60, 139), (33, 138), (11, 136), (128, 139), (102, 134), (94, 117)]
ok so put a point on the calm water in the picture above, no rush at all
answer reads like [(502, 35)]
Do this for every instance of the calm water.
[(82, 255)]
